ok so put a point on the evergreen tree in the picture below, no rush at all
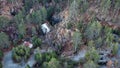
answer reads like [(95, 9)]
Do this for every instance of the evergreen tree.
[(54, 63), (73, 12), (92, 54), (4, 41), (44, 14), (19, 17), (90, 64), (4, 21), (22, 29), (93, 30), (39, 58), (77, 40)]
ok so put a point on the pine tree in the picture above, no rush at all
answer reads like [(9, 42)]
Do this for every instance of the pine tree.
[(93, 30), (90, 64), (4, 41), (77, 40), (73, 12), (22, 29), (92, 54), (4, 21)]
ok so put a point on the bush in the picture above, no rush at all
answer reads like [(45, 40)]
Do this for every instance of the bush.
[(39, 58), (92, 54), (27, 66), (93, 30), (21, 30), (1, 54), (90, 64), (4, 22), (4, 41), (115, 49), (69, 25), (48, 56), (37, 17), (53, 63), (0, 65), (20, 53), (77, 40), (36, 41)]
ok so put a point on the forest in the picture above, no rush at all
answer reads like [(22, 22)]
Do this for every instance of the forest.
[(59, 33)]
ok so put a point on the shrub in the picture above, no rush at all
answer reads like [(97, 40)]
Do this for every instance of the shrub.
[(36, 41), (92, 54), (4, 41), (77, 40), (27, 66), (4, 22), (93, 30), (1, 54), (115, 48), (21, 52), (69, 25), (53, 63), (37, 17), (21, 30), (39, 58), (90, 64), (0, 65)]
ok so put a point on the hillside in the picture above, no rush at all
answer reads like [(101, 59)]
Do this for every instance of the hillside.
[(59, 34)]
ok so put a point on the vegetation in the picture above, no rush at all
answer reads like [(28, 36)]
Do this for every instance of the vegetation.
[(4, 41), (21, 29), (1, 65), (77, 40), (53, 63), (90, 64), (4, 22), (36, 41), (82, 25), (1, 54), (92, 54), (20, 53)]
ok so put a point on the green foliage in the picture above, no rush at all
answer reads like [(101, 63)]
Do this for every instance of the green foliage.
[(99, 42), (93, 30), (0, 65), (4, 22), (22, 29), (105, 5), (77, 40), (28, 4), (27, 66), (73, 12), (39, 57), (117, 4), (4, 41), (90, 64), (91, 43), (19, 17), (108, 36), (37, 17), (43, 14), (92, 54), (34, 32), (48, 56), (69, 25), (53, 63), (21, 52), (50, 11), (36, 41), (83, 5), (1, 54), (115, 48)]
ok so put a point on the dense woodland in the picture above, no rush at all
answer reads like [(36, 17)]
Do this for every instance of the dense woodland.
[(83, 33)]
